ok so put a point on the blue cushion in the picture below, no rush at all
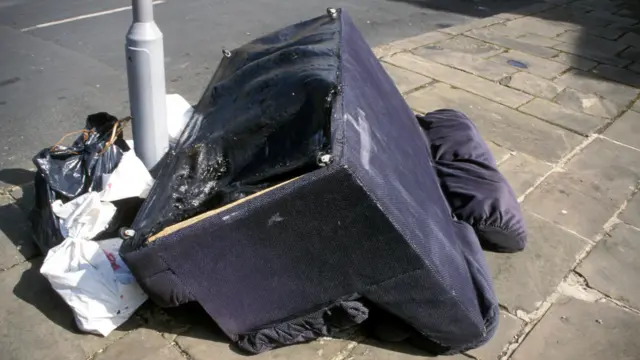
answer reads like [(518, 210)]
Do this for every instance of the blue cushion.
[(476, 191)]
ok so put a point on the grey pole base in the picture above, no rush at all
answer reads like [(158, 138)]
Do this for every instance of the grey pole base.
[(147, 93)]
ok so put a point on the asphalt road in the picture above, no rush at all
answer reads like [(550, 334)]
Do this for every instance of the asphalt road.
[(52, 77)]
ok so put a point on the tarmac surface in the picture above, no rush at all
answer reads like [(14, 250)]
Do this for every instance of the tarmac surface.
[(62, 60), (553, 87)]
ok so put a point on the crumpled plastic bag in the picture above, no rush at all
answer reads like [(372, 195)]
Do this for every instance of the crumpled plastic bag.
[(93, 280), (45, 224), (83, 217), (130, 179), (66, 172), (76, 169), (179, 112)]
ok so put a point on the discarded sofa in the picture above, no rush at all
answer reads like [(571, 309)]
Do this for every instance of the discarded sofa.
[(304, 198)]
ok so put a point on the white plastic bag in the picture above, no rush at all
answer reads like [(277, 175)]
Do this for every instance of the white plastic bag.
[(83, 217), (129, 179), (178, 114), (94, 281)]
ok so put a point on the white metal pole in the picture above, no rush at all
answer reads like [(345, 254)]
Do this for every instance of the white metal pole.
[(147, 93)]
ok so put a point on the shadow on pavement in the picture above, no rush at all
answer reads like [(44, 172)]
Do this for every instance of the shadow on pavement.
[(188, 320), (191, 320), (474, 8), (15, 226), (33, 288), (16, 176), (599, 24)]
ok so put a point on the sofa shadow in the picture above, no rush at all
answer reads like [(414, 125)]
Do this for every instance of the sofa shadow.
[(192, 321)]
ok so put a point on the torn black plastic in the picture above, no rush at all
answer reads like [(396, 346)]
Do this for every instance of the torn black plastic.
[(77, 169), (66, 172), (263, 119)]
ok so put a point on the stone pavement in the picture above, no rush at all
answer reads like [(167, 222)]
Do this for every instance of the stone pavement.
[(554, 90)]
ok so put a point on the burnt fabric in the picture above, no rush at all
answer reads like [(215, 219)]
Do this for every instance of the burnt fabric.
[(263, 119), (476, 191), (313, 248)]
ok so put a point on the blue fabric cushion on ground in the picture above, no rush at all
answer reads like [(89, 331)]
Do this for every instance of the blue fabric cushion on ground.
[(470, 180)]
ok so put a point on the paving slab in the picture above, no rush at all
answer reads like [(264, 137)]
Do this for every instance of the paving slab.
[(550, 253), (503, 30), (37, 324), (471, 46), (569, 36), (631, 39), (626, 129), (499, 153), (606, 54), (538, 66), (588, 103), (625, 13), (613, 166), (575, 329), (498, 123), (532, 84), (569, 16), (461, 79), (610, 33), (409, 43), (535, 8), (590, 83), (575, 18), (142, 344), (538, 26), (522, 171), (455, 30), (579, 122), (472, 64), (201, 343), (607, 15), (508, 327), (16, 244), (405, 80), (539, 40), (631, 214), (608, 47), (636, 106), (617, 74), (612, 266), (575, 61), (373, 350), (594, 186), (632, 53), (510, 15), (496, 38), (569, 202), (625, 28)]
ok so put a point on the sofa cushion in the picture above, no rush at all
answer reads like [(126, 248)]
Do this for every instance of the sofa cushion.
[(476, 191)]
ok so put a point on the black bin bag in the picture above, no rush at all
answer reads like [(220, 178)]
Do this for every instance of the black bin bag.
[(66, 172), (302, 200)]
